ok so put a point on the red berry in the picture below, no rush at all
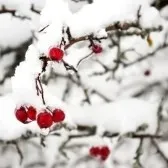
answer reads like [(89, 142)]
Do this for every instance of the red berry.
[(147, 73), (104, 152), (44, 120), (56, 54), (58, 115), (21, 114), (31, 112), (97, 49), (94, 151)]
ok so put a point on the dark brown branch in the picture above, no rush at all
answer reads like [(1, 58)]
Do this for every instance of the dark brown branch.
[(33, 9), (106, 99), (39, 88), (68, 67), (5, 10), (13, 12), (115, 26), (43, 28)]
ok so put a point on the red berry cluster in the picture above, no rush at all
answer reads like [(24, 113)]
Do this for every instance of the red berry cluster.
[(56, 54), (44, 119), (26, 114), (97, 48), (102, 152)]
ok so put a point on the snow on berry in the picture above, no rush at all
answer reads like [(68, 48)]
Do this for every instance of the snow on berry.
[(21, 114), (56, 54), (58, 115), (44, 120), (31, 112), (97, 49)]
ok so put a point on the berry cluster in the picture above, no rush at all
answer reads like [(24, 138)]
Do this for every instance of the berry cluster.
[(44, 119), (26, 114), (101, 152)]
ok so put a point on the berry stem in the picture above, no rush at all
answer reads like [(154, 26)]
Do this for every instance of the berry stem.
[(84, 58), (39, 88)]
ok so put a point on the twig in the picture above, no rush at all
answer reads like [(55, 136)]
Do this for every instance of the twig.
[(19, 152), (69, 67), (138, 155), (43, 28), (39, 88), (163, 156), (34, 10), (12, 12), (84, 58), (159, 48), (115, 26)]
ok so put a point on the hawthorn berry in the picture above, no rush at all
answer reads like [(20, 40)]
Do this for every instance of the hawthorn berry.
[(94, 151), (147, 72), (104, 152), (96, 48), (44, 120), (56, 54), (21, 114), (58, 115), (31, 112)]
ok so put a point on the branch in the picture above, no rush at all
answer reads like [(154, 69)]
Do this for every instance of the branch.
[(159, 48), (13, 12), (33, 9), (39, 88), (138, 154), (20, 51), (163, 156), (115, 26)]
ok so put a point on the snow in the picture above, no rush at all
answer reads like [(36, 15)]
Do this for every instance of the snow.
[(164, 12), (113, 117), (54, 12), (119, 113), (5, 38), (123, 115), (109, 16)]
